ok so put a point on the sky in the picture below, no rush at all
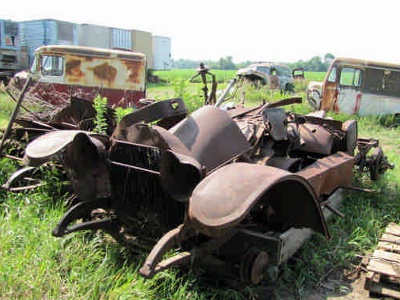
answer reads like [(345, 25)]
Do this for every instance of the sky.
[(253, 30)]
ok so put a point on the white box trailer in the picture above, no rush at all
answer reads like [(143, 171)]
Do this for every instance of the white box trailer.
[(103, 37), (162, 53), (37, 33)]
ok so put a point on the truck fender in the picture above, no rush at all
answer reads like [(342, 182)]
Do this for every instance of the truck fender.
[(236, 191), (47, 146)]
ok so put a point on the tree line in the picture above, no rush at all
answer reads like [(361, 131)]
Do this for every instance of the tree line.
[(315, 64)]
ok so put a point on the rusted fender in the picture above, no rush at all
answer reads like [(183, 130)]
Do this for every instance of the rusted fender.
[(211, 136), (227, 196), (45, 147), (81, 154)]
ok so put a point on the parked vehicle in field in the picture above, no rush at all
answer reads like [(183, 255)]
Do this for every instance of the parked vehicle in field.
[(276, 76), (298, 74), (236, 191), (355, 86), (61, 72), (13, 57)]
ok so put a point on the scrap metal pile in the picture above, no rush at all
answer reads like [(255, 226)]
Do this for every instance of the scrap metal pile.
[(35, 115), (222, 188)]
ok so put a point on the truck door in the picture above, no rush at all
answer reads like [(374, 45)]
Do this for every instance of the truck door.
[(349, 90), (329, 92)]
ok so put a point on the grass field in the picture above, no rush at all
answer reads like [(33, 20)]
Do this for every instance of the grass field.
[(221, 75), (35, 265)]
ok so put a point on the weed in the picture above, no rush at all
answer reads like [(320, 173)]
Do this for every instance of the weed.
[(189, 92), (100, 121), (121, 112)]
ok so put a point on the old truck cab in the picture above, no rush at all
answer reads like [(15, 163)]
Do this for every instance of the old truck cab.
[(356, 86), (85, 72)]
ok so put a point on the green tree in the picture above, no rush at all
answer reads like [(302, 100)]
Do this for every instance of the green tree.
[(316, 64), (226, 63), (328, 58)]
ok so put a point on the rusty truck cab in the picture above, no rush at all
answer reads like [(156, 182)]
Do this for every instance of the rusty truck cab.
[(87, 72), (355, 86)]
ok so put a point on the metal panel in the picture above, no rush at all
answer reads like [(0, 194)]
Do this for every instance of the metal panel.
[(142, 41), (121, 38), (38, 33), (65, 33), (93, 36)]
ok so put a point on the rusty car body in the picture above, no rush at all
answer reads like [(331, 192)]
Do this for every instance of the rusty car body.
[(356, 86), (276, 76), (60, 72), (236, 191)]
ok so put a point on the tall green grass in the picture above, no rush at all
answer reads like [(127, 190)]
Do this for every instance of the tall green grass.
[(314, 76), (7, 106), (35, 265), (187, 74)]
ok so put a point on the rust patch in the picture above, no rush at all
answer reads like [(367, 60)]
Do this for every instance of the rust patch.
[(135, 70), (105, 72), (73, 68)]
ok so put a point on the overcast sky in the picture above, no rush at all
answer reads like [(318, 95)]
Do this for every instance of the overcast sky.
[(258, 30)]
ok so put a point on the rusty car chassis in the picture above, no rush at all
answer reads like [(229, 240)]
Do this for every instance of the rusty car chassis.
[(235, 191)]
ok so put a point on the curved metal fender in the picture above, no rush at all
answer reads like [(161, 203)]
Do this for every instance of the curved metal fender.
[(45, 147), (226, 197)]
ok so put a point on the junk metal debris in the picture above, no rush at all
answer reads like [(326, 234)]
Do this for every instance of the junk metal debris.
[(236, 191)]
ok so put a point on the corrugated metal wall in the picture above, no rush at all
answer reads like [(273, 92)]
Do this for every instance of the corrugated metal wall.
[(45, 32), (121, 38)]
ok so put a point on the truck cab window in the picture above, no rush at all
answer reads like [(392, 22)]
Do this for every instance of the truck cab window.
[(351, 77), (52, 65), (332, 75)]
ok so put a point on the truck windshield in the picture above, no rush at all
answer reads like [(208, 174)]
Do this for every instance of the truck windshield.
[(52, 65)]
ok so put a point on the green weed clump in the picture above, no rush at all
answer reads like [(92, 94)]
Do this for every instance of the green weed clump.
[(121, 112), (100, 121), (7, 106)]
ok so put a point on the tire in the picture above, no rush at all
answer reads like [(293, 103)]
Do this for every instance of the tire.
[(351, 130)]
